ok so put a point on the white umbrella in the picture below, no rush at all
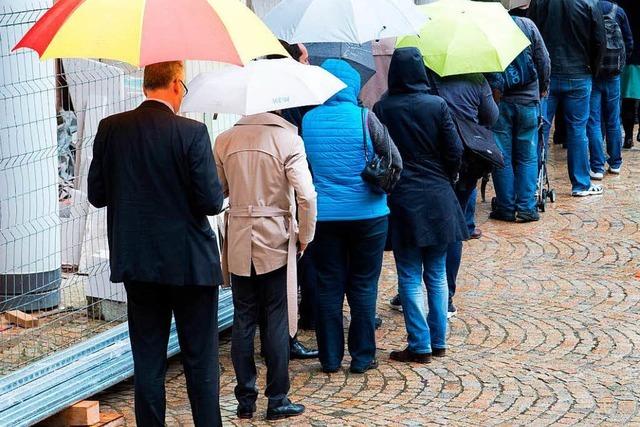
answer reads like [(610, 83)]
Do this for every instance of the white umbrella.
[(260, 86), (349, 21)]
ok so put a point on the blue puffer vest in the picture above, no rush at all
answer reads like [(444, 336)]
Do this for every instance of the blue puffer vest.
[(333, 138)]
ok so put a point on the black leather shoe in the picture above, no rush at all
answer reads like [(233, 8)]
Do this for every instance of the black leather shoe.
[(330, 370), (372, 365), (503, 216), (245, 412), (439, 352), (523, 217), (298, 351), (284, 411), (476, 234), (407, 355)]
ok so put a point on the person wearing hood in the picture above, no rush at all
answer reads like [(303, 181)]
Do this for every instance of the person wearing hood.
[(352, 219), (425, 214), (469, 97)]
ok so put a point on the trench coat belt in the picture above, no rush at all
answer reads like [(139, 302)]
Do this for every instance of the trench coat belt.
[(292, 250)]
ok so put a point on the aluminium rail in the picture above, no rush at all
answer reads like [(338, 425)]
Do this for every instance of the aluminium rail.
[(46, 387)]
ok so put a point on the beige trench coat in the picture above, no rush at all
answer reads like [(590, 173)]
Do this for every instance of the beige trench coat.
[(263, 169)]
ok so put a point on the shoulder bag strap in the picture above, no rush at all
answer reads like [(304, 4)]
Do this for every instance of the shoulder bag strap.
[(363, 113)]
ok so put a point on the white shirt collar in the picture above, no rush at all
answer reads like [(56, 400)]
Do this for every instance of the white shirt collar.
[(162, 101)]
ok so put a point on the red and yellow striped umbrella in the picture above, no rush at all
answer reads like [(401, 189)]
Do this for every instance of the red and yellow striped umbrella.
[(143, 32)]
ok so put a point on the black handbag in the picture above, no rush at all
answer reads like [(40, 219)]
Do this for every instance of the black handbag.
[(481, 153), (378, 172), (479, 142)]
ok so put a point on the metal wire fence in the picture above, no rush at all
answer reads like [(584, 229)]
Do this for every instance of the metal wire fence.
[(53, 248)]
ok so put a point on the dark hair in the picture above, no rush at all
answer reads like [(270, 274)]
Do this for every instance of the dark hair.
[(161, 74), (292, 49)]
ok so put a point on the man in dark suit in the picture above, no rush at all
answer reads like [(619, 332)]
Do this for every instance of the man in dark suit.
[(155, 173)]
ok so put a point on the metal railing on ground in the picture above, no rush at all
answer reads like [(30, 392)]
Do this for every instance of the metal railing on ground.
[(42, 389)]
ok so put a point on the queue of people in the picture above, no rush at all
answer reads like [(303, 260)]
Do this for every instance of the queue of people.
[(316, 194)]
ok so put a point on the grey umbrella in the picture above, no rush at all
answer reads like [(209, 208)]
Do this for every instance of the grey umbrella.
[(360, 56)]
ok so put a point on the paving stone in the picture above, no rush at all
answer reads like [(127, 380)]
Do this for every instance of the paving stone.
[(548, 331)]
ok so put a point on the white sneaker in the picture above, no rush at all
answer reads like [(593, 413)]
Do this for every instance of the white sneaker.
[(598, 176), (594, 190), (615, 171)]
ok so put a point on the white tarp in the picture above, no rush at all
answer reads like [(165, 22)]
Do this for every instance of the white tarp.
[(29, 222), (97, 90)]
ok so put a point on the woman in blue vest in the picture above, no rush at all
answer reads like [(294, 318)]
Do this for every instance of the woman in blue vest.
[(352, 220)]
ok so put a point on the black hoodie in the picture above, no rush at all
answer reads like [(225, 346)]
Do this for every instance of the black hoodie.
[(422, 128)]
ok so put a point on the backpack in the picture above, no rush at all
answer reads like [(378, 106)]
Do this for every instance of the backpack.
[(522, 70), (614, 57)]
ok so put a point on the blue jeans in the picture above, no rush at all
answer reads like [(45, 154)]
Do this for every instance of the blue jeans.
[(516, 134), (605, 107), (454, 251), (573, 93), (348, 259), (470, 211), (425, 330)]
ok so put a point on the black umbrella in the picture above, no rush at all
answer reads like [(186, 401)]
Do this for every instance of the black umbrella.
[(360, 56)]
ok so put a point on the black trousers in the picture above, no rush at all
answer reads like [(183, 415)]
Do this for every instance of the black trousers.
[(308, 284), (251, 295), (629, 116), (195, 309), (560, 133)]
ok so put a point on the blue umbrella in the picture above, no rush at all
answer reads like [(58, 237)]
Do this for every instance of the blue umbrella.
[(360, 56)]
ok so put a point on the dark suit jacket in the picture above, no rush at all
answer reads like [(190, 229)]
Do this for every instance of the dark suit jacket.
[(155, 173)]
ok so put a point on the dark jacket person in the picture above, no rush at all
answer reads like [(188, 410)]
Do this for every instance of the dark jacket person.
[(574, 34), (573, 31), (154, 172), (425, 214)]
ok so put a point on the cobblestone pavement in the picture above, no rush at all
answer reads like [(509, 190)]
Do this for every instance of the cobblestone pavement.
[(548, 331)]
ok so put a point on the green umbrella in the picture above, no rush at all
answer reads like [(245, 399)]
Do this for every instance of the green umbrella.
[(463, 36)]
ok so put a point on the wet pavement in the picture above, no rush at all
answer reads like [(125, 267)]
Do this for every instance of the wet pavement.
[(548, 331)]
